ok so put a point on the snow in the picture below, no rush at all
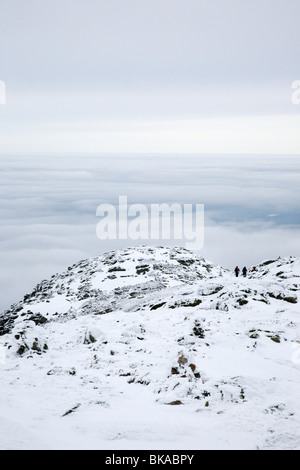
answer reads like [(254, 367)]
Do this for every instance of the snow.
[(103, 359)]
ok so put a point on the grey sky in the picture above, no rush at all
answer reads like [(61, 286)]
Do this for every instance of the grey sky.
[(98, 43), (84, 73)]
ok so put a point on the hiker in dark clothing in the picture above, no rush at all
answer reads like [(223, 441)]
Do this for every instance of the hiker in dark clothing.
[(237, 270), (245, 271)]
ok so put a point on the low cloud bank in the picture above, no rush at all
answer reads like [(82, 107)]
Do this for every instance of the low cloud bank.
[(48, 208)]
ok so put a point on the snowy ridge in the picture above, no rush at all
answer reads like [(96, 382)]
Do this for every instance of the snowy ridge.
[(117, 279), (96, 356)]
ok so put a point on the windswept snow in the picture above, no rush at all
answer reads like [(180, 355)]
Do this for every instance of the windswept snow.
[(153, 348)]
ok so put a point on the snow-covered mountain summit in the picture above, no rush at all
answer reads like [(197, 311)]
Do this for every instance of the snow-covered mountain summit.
[(116, 280), (100, 350)]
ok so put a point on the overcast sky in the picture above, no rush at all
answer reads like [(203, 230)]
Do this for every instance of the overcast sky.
[(159, 75)]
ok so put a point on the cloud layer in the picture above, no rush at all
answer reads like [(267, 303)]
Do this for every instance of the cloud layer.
[(48, 208)]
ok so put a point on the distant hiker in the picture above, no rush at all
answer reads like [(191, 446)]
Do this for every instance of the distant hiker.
[(245, 271), (237, 270)]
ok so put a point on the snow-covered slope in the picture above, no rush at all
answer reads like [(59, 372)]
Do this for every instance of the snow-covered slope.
[(157, 348)]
